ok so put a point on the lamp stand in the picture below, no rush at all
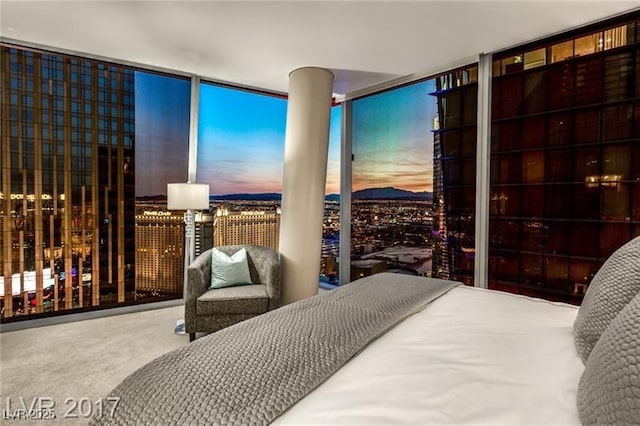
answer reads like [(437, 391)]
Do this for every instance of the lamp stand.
[(187, 197), (189, 232)]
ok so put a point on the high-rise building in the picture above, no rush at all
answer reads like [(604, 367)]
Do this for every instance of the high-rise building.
[(565, 158), (455, 162), (246, 227), (159, 253), (67, 187), (330, 251), (203, 232), (440, 248)]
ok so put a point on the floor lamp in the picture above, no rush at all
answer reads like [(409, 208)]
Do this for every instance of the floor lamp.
[(189, 197)]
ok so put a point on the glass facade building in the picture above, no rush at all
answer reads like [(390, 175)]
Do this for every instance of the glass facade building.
[(68, 176), (565, 159), (454, 176), (78, 231)]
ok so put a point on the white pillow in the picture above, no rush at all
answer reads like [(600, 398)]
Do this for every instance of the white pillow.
[(227, 271)]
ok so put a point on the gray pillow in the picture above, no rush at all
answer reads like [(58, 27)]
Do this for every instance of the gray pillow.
[(609, 389), (615, 284)]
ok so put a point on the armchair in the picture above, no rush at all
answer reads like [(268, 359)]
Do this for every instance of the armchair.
[(209, 310)]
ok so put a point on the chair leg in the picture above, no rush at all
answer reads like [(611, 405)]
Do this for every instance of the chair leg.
[(192, 337)]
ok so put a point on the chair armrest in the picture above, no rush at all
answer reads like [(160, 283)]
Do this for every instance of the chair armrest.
[(198, 282), (267, 264), (273, 284)]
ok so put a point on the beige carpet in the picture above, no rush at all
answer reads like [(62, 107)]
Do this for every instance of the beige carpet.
[(84, 359)]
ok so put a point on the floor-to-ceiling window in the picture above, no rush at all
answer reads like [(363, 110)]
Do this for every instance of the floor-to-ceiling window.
[(413, 178), (240, 156), (565, 163), (162, 149), (70, 134), (329, 261), (88, 147), (392, 181)]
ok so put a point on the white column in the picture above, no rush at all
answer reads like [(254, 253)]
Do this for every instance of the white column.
[(303, 186)]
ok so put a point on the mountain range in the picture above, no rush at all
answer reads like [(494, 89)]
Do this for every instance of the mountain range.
[(266, 196), (387, 193), (390, 193)]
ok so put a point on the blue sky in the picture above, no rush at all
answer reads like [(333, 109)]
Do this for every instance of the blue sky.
[(240, 141)]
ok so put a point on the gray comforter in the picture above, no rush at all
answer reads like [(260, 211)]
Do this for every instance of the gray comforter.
[(252, 372)]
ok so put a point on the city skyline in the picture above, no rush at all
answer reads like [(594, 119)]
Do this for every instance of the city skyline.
[(392, 143)]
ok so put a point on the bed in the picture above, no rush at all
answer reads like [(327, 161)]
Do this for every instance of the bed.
[(472, 357), (397, 349)]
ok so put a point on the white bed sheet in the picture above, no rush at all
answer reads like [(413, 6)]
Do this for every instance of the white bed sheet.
[(473, 356)]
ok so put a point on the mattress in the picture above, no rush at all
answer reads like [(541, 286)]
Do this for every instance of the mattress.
[(473, 356)]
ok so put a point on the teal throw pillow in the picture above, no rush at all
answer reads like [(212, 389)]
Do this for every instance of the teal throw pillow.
[(227, 271)]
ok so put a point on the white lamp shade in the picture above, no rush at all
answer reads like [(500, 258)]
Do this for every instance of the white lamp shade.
[(187, 196)]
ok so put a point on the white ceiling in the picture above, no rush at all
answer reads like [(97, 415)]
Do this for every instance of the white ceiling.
[(258, 43)]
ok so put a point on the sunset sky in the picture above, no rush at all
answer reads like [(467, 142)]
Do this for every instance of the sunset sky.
[(392, 139), (241, 138), (241, 142)]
